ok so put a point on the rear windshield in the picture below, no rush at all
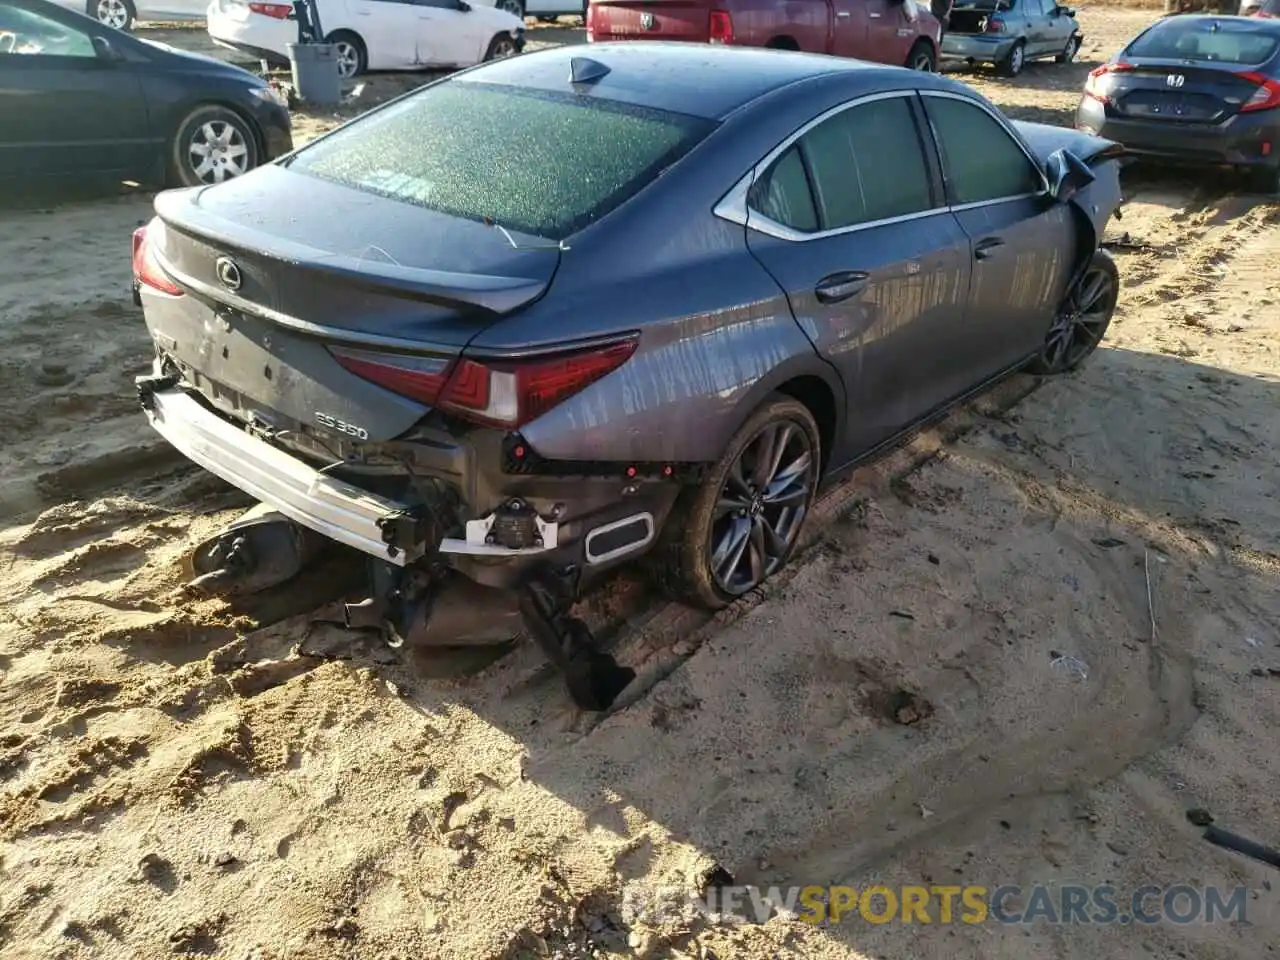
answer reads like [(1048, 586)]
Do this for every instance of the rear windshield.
[(1216, 41), (541, 163)]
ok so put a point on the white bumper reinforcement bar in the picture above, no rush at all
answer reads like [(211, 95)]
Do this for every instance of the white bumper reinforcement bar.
[(335, 509)]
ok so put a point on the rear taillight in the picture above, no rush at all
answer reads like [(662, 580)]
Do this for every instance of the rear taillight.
[(1100, 80), (1266, 97), (994, 25), (720, 27), (495, 393), (146, 270), (276, 11), (591, 22)]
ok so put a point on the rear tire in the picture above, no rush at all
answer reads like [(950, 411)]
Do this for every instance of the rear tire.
[(212, 145), (1082, 320), (117, 14), (922, 58), (704, 531), (1068, 55), (1014, 61), (516, 8), (353, 58)]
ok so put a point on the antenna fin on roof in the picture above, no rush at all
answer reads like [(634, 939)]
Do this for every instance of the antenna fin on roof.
[(586, 70)]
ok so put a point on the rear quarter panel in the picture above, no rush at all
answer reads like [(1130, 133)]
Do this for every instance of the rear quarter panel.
[(716, 332)]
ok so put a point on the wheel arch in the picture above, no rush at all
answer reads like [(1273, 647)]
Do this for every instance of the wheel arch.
[(783, 41), (812, 382)]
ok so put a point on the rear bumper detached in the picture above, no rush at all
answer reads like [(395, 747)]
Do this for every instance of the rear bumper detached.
[(375, 525)]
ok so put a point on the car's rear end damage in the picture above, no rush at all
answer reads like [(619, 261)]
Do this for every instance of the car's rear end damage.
[(333, 375)]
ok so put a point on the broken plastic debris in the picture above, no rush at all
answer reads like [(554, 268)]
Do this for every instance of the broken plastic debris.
[(1072, 665), (1251, 641), (925, 812)]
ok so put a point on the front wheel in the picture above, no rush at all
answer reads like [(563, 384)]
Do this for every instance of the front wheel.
[(500, 47), (350, 53), (212, 145), (1013, 61), (922, 58), (1068, 55), (741, 525), (117, 14), (1082, 319)]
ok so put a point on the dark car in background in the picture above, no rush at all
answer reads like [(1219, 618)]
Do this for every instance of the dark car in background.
[(729, 275), (83, 101), (1009, 33), (1194, 89)]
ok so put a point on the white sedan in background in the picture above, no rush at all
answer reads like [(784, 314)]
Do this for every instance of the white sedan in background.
[(374, 34), (122, 14)]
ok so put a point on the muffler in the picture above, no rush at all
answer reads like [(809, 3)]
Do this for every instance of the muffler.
[(260, 549)]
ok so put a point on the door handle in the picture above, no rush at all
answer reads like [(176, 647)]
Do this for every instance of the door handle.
[(841, 286), (986, 249), (843, 14), (874, 16)]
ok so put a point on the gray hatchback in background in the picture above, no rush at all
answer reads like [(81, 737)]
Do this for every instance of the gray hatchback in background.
[(1008, 33), (554, 313)]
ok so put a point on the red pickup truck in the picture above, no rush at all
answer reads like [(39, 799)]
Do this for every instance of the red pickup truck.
[(901, 32)]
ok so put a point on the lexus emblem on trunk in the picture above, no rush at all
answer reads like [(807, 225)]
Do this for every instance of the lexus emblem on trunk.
[(1175, 79), (647, 22), (228, 273)]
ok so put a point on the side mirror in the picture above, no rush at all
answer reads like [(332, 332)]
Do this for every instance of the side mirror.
[(1067, 174), (105, 51), (464, 6)]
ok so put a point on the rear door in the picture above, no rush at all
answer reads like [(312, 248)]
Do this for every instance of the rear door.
[(1022, 242), (652, 20), (891, 31), (850, 219), (67, 109)]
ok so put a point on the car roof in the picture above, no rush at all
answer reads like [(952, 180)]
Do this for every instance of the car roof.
[(696, 79)]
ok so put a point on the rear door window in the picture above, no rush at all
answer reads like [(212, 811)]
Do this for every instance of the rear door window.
[(980, 159), (863, 165), (1208, 40), (541, 163)]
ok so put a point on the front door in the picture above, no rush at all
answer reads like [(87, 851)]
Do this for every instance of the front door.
[(389, 29), (852, 224), (1022, 241), (849, 28), (447, 37), (68, 108)]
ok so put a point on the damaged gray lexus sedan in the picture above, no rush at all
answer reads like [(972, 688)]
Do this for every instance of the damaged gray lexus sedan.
[(542, 317)]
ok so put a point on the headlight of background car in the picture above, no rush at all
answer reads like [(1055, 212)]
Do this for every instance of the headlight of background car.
[(269, 94)]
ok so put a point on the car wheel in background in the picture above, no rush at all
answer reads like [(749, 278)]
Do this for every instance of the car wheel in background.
[(921, 58), (514, 7), (1069, 54), (741, 524), (501, 46), (212, 145), (1082, 319), (117, 14), (1014, 61), (353, 59)]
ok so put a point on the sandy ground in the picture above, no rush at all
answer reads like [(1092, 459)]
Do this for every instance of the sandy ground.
[(197, 778)]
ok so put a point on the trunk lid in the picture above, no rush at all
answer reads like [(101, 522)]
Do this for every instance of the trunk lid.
[(651, 20), (323, 265), (972, 16), (1176, 91)]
